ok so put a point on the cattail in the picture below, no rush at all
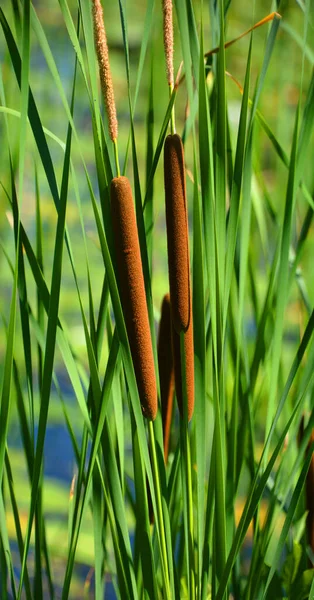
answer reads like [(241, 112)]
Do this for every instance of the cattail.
[(309, 487), (177, 233), (133, 298), (189, 368), (168, 39), (104, 68), (166, 372)]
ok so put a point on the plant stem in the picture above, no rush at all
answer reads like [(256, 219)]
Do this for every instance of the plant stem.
[(186, 472), (172, 121), (116, 156), (159, 516)]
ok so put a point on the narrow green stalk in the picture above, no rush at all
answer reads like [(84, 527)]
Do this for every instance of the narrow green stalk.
[(172, 121), (186, 473), (159, 516), (116, 156)]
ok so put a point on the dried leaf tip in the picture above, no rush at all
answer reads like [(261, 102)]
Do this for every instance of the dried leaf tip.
[(104, 68), (168, 39)]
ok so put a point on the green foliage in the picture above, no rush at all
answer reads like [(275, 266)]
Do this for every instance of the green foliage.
[(234, 483)]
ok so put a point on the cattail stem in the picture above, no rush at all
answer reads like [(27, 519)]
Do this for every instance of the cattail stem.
[(116, 156), (172, 119), (132, 292), (166, 371), (186, 473), (186, 378), (160, 517)]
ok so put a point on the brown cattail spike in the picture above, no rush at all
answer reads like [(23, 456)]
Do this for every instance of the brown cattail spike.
[(168, 39), (166, 372), (177, 232), (104, 68), (189, 367), (132, 291)]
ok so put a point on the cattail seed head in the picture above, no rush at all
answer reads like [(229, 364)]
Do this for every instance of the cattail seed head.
[(133, 297), (168, 39), (189, 367), (177, 232), (104, 68), (166, 372)]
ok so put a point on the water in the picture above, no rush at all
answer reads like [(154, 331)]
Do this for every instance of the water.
[(59, 466)]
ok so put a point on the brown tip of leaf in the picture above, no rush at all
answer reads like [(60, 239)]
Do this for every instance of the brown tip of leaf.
[(177, 232), (132, 289)]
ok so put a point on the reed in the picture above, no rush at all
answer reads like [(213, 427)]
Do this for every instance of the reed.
[(177, 233), (133, 297), (166, 371)]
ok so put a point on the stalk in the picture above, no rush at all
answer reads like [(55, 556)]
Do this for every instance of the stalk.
[(166, 371), (116, 156), (186, 473), (159, 516)]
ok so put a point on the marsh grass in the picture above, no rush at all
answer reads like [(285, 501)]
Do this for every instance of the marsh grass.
[(251, 264)]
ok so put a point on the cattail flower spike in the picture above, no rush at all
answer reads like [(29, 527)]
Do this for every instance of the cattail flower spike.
[(179, 269), (132, 292), (105, 75), (168, 45)]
